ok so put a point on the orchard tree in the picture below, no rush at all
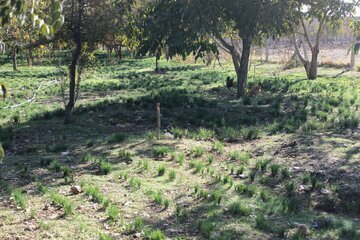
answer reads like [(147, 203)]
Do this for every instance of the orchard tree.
[(86, 25), (171, 26), (198, 23), (318, 15)]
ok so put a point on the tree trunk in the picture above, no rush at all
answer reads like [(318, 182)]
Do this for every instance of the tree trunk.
[(29, 58), (267, 50), (311, 68), (73, 69), (242, 72), (14, 59), (352, 57), (157, 57)]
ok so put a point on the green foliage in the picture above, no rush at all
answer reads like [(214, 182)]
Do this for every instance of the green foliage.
[(161, 151), (62, 201), (55, 166), (250, 133), (275, 169), (218, 147), (172, 175), (216, 197), (205, 134), (154, 234), (135, 183), (285, 173), (103, 236), (240, 209), (19, 198), (161, 170), (116, 138), (105, 167), (198, 151), (113, 213), (205, 228)]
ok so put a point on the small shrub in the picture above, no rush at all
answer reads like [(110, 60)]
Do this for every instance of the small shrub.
[(274, 169), (239, 209), (19, 198), (113, 213), (145, 164), (116, 138), (66, 171), (172, 175), (161, 170), (179, 133)]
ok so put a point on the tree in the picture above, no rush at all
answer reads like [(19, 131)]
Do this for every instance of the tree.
[(317, 14), (355, 45), (46, 14), (171, 26), (179, 22), (86, 24)]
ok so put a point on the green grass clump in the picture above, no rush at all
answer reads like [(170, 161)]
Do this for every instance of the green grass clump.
[(240, 170), (198, 151), (239, 156), (216, 197), (218, 147), (205, 134), (161, 151), (161, 170), (135, 183), (290, 188), (144, 165), (261, 164), (113, 213), (19, 198), (105, 167), (103, 236), (159, 198), (138, 224), (250, 133), (55, 166), (237, 208), (246, 189), (62, 201), (205, 228), (116, 138), (275, 168), (285, 173), (154, 234), (181, 158), (306, 178), (172, 175), (96, 195), (87, 158), (211, 159)]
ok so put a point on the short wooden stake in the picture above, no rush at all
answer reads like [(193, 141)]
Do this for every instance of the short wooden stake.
[(158, 119)]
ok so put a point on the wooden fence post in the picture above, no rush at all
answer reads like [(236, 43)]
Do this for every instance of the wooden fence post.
[(158, 119)]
